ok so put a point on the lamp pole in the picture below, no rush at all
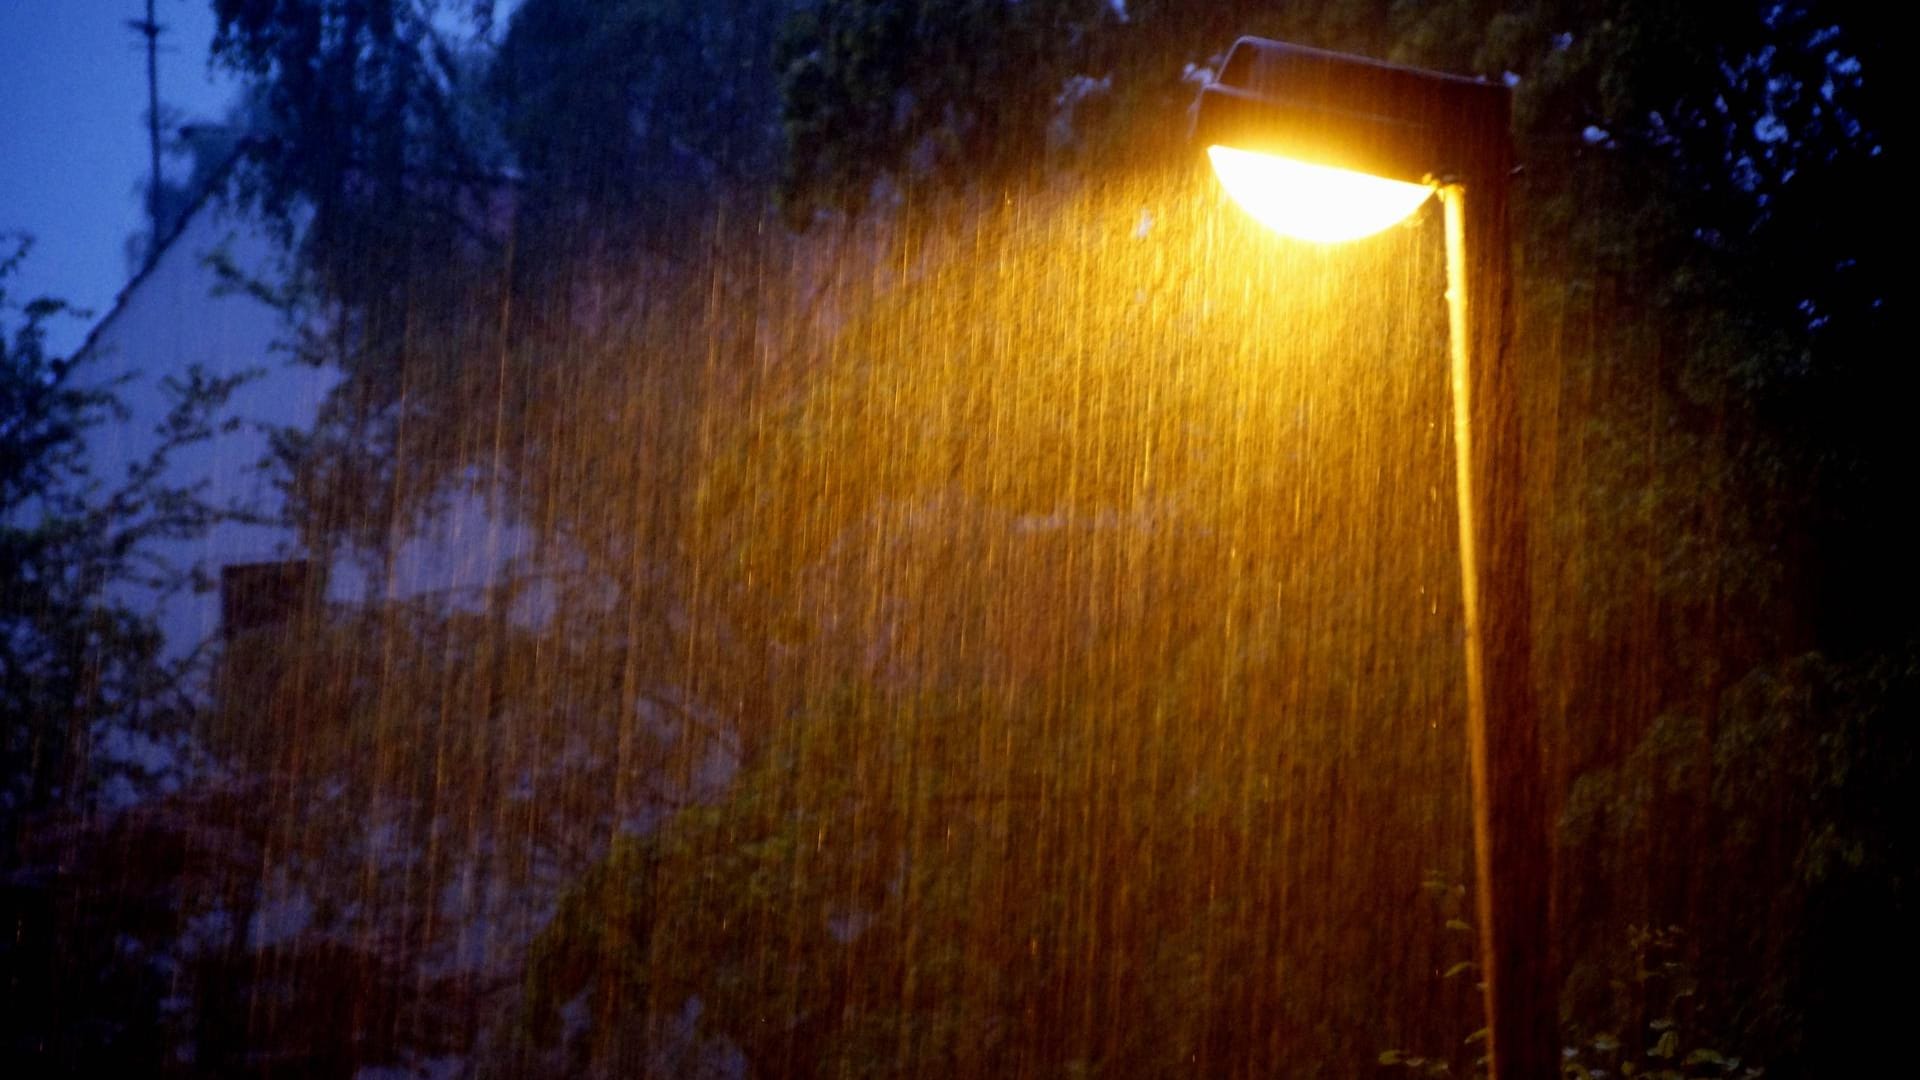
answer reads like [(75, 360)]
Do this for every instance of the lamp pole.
[(1452, 134), (1512, 860)]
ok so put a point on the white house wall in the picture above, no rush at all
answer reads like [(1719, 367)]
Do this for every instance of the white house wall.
[(181, 312)]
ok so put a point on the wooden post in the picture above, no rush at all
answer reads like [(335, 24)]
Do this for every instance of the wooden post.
[(1512, 856)]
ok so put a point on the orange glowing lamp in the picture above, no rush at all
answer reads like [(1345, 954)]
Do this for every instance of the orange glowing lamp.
[(1313, 202), (1327, 147)]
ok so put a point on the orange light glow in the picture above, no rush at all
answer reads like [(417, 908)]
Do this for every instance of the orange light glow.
[(1313, 202)]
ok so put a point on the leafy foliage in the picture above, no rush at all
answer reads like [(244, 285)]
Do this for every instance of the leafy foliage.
[(1654, 1000), (611, 107), (81, 677), (369, 156), (1790, 784), (877, 87), (74, 653)]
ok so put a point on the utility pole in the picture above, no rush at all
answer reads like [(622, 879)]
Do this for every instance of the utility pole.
[(150, 29)]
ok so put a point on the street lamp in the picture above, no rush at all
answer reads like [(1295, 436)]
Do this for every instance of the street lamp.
[(1327, 147)]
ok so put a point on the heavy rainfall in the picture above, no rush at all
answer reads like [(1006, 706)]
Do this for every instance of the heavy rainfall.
[(816, 539)]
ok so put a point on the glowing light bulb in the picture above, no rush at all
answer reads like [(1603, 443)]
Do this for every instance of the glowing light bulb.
[(1313, 202)]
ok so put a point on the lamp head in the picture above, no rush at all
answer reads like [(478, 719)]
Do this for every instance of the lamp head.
[(1325, 146)]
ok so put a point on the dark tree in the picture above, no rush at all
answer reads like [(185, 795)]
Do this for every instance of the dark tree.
[(80, 661), (911, 89)]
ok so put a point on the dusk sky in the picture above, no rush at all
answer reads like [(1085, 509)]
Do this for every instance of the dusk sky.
[(73, 141)]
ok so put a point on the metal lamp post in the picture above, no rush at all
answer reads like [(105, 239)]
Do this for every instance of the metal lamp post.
[(1327, 147)]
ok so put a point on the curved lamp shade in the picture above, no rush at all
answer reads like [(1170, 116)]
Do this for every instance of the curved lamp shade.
[(1314, 202), (1328, 147)]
